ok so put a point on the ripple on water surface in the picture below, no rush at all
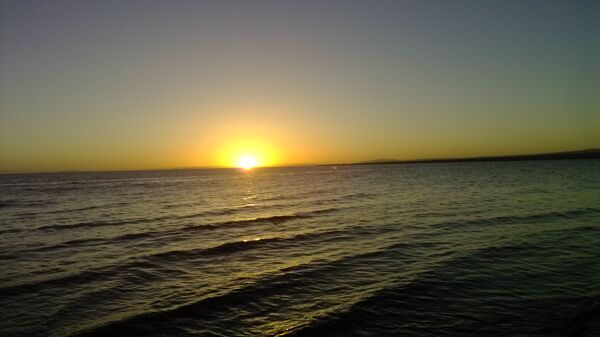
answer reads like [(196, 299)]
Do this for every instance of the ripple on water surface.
[(471, 249)]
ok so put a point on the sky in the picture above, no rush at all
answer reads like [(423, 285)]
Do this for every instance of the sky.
[(119, 85)]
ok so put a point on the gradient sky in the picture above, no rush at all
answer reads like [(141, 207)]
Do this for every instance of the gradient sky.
[(105, 85)]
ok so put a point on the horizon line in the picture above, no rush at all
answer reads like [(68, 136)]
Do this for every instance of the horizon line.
[(593, 153)]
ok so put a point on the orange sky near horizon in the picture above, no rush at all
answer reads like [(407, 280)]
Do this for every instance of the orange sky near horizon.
[(182, 84)]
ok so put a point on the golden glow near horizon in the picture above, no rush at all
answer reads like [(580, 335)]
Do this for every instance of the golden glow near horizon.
[(247, 162), (247, 153)]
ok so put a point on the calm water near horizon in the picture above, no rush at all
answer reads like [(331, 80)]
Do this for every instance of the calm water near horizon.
[(455, 249)]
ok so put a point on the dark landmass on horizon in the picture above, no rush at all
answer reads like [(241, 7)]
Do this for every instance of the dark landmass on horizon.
[(581, 154)]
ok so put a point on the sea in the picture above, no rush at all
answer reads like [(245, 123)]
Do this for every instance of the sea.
[(443, 249)]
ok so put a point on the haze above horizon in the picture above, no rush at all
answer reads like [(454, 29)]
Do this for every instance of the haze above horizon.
[(153, 84)]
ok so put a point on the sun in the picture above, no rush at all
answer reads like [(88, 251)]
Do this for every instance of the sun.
[(247, 162), (246, 154)]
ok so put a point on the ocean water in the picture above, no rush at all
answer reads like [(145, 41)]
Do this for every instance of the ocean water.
[(457, 249)]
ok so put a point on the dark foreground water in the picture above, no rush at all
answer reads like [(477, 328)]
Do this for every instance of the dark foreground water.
[(462, 249)]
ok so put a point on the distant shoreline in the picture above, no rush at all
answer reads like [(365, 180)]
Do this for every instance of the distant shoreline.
[(568, 155)]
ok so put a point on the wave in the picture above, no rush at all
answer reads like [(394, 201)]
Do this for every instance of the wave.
[(294, 195), (70, 244), (249, 244), (443, 281), (353, 196), (58, 188), (224, 248), (276, 219), (204, 309), (8, 203), (40, 285), (225, 211), (60, 211), (131, 221), (532, 218), (158, 258), (96, 224), (317, 192), (11, 230), (293, 278)]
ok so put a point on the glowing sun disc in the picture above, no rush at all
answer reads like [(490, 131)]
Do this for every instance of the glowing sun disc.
[(247, 162)]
